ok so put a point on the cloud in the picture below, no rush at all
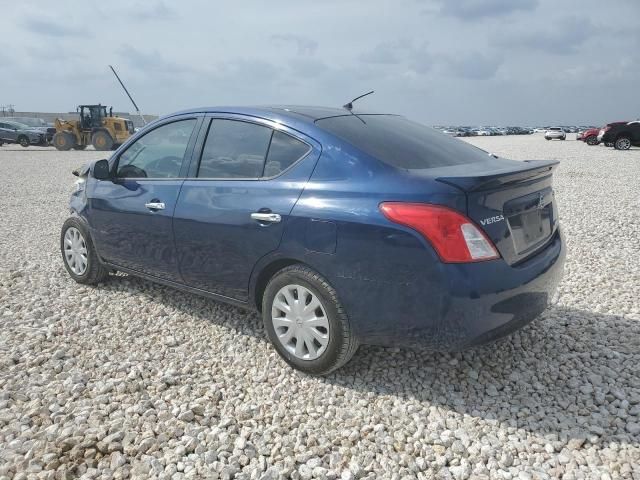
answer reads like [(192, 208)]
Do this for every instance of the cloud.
[(304, 45), (51, 28), (473, 66), (566, 36), (471, 10), (386, 53), (399, 52), (156, 11), (149, 61), (308, 67)]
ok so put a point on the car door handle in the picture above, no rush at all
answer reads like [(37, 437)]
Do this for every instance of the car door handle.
[(266, 217), (155, 205)]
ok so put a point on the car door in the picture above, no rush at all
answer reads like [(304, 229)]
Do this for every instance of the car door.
[(244, 181), (8, 132), (131, 215)]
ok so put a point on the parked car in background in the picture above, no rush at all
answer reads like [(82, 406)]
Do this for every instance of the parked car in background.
[(37, 124), (555, 133), (342, 228), (589, 136), (622, 135), (14, 132)]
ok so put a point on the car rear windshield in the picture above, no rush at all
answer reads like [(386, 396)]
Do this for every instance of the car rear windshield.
[(400, 142)]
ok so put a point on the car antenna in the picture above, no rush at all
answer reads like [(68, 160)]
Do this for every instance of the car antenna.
[(349, 106)]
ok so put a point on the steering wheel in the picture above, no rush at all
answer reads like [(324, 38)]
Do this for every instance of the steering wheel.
[(131, 171), (165, 166)]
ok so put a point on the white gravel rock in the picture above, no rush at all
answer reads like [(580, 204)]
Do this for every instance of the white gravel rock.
[(131, 379)]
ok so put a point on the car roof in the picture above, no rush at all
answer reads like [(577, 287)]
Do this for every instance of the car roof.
[(297, 113)]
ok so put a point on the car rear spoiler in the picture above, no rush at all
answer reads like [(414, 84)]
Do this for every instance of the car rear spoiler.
[(532, 169)]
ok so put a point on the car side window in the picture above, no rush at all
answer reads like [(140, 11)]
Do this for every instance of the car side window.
[(159, 153), (234, 149), (283, 152)]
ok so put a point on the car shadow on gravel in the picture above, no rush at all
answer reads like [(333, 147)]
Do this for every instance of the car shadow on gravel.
[(569, 374)]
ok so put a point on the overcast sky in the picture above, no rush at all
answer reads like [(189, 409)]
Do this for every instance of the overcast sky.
[(436, 61)]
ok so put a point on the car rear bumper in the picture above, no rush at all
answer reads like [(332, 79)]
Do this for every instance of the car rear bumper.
[(478, 303)]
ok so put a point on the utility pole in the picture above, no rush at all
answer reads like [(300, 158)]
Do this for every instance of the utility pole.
[(7, 109)]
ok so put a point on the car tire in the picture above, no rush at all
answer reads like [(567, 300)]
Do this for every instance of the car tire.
[(64, 141), (79, 147), (608, 144), (622, 143), (330, 322), (23, 140), (592, 140), (101, 140), (74, 242)]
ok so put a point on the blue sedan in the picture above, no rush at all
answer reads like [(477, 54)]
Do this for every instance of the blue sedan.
[(342, 228)]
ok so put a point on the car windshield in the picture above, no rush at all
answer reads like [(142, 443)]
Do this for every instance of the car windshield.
[(400, 142)]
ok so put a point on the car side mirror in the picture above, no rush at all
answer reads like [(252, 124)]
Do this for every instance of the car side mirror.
[(101, 170)]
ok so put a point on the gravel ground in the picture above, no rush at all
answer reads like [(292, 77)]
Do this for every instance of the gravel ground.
[(134, 379)]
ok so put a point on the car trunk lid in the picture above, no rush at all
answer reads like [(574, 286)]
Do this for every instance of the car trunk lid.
[(514, 204)]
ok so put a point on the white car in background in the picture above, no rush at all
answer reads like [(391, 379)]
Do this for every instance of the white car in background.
[(556, 133)]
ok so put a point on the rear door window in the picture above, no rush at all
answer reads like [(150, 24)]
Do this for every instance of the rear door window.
[(284, 151), (234, 149), (401, 143)]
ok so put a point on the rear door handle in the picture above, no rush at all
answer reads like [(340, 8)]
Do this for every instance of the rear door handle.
[(155, 205), (266, 217)]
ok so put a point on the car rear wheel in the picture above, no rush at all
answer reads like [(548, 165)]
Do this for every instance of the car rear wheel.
[(592, 140), (101, 140), (23, 140), (79, 255), (622, 143), (306, 322)]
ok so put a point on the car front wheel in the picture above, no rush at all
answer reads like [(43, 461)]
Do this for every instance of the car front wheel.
[(78, 253), (622, 143), (306, 322), (24, 141)]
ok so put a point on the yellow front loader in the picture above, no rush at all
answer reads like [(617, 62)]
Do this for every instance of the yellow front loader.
[(95, 127)]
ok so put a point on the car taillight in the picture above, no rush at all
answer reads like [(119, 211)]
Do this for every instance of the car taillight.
[(455, 237)]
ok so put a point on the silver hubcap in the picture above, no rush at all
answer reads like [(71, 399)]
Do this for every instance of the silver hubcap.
[(624, 143), (300, 322), (75, 251)]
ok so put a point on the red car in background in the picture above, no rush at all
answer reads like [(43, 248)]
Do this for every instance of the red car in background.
[(589, 136)]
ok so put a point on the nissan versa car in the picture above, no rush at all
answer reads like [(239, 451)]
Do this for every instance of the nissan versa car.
[(342, 228)]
